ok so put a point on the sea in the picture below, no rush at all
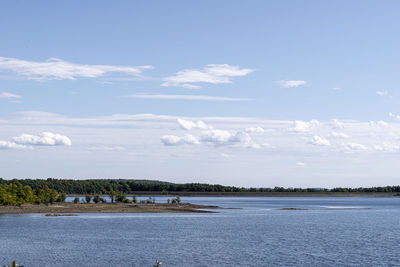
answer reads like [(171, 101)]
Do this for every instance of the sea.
[(250, 231)]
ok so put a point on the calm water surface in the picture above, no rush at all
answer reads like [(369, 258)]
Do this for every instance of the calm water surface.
[(331, 232)]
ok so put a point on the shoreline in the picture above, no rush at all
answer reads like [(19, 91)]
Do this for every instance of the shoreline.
[(72, 208), (256, 194)]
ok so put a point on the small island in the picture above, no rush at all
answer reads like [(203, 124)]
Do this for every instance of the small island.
[(16, 198)]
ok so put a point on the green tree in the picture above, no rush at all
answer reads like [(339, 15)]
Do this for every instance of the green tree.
[(121, 197), (88, 198), (96, 199), (164, 192), (61, 197), (112, 195)]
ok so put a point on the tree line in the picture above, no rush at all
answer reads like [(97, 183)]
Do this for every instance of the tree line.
[(16, 193), (104, 186)]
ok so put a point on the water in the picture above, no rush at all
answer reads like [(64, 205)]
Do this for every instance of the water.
[(331, 232)]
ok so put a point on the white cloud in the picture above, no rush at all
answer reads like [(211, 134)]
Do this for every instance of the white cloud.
[(319, 141), (10, 145), (355, 147), (148, 128), (212, 73), (9, 95), (301, 164), (303, 126), (257, 129), (339, 135), (209, 135), (222, 138), (45, 139), (173, 140), (189, 97), (379, 124), (394, 116), (190, 139), (382, 93), (57, 69), (140, 135), (189, 125), (288, 84), (337, 124), (382, 123), (218, 137)]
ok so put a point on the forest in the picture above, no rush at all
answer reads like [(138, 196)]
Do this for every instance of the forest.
[(41, 189)]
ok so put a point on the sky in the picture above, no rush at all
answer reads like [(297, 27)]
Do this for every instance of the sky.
[(245, 93)]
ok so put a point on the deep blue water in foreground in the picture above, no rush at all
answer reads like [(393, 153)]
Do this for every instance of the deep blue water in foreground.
[(332, 232)]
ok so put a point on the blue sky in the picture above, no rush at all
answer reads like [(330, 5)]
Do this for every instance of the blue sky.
[(270, 81)]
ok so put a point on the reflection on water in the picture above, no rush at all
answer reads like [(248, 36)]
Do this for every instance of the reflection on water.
[(315, 232)]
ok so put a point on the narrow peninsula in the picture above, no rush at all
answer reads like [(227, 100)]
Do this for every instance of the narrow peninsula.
[(71, 208)]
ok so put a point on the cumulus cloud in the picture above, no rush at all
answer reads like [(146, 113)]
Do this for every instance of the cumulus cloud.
[(149, 128), (173, 140), (257, 129), (209, 135), (303, 126), (44, 139), (319, 141), (337, 124), (212, 73), (189, 125), (9, 95), (288, 84), (190, 97), (223, 138), (10, 145), (218, 137), (394, 116), (58, 69)]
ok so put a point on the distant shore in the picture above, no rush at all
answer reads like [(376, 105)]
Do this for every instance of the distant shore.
[(262, 194), (70, 208)]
